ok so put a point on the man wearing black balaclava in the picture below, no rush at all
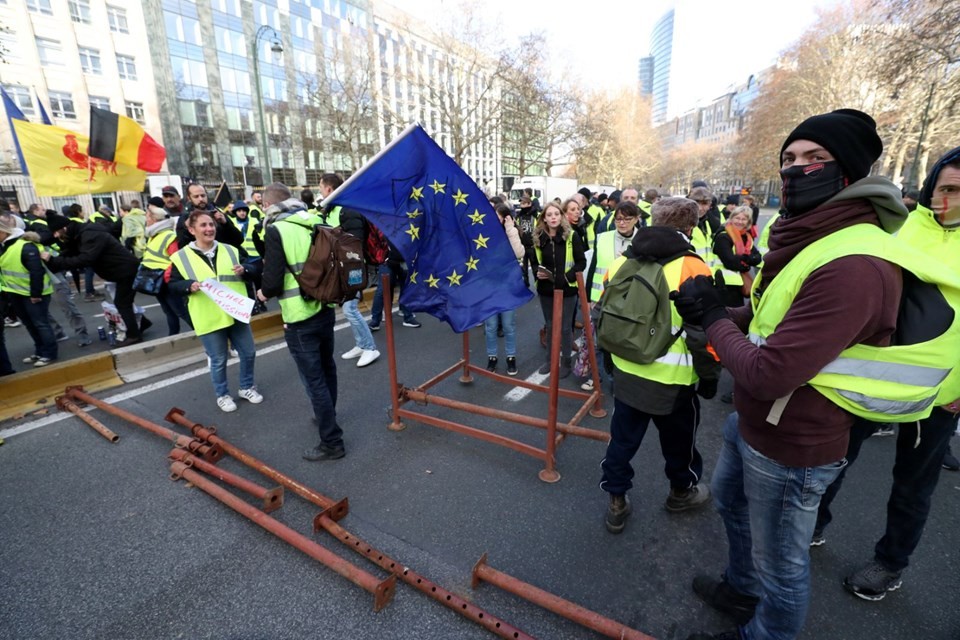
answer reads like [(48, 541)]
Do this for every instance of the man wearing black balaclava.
[(823, 289)]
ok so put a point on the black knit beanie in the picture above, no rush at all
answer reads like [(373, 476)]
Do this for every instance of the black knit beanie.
[(849, 135), (585, 193)]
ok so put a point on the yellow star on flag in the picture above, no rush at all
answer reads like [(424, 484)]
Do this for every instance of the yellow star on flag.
[(413, 232), (472, 263), (437, 187), (416, 213), (476, 216), (413, 277), (454, 278), (460, 197), (481, 241), (416, 193), (433, 281)]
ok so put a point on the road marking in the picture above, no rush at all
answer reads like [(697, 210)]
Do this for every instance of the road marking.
[(519, 393)]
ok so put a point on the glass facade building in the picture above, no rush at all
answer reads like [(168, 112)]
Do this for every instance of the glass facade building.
[(661, 50)]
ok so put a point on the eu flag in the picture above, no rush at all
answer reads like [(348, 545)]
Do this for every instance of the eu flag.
[(461, 268)]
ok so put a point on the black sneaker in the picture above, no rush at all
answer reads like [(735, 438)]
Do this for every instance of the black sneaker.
[(818, 539), (413, 323), (725, 599), (511, 366), (374, 326), (492, 363), (950, 462), (322, 452), (617, 513), (872, 582), (684, 499), (727, 398)]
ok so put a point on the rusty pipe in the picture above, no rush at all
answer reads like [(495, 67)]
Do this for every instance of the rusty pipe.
[(66, 405), (382, 590), (395, 423), (556, 604), (210, 452), (272, 498), (596, 410), (427, 587), (540, 423), (177, 416)]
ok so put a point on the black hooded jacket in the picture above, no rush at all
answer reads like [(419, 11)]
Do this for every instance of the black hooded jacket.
[(89, 244), (926, 194)]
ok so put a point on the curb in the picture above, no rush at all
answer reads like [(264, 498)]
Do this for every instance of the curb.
[(29, 391)]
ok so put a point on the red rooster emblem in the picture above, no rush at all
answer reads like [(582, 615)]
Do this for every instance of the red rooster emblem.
[(80, 160)]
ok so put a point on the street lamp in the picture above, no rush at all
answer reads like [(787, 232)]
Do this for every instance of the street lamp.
[(276, 47)]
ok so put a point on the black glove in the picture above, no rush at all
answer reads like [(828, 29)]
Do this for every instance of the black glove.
[(744, 261), (755, 259), (698, 302), (706, 389)]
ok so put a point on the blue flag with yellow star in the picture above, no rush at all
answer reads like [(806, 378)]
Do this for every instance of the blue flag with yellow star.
[(461, 268)]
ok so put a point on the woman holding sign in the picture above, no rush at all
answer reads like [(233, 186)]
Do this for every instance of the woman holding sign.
[(212, 274)]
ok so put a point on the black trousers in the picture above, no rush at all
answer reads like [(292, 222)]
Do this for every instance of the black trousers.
[(124, 303), (916, 471)]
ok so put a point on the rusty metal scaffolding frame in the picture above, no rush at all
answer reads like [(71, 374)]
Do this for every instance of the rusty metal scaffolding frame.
[(556, 431)]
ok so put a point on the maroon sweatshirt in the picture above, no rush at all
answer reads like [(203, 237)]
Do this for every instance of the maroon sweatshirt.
[(848, 301)]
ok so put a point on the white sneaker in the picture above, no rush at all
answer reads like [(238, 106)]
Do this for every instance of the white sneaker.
[(368, 357), (30, 359), (42, 362), (251, 395), (356, 352), (226, 404), (588, 385)]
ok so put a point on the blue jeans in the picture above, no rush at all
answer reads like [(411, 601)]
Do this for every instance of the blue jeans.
[(509, 321), (769, 511), (376, 313), (64, 297), (310, 343), (215, 344), (36, 319), (361, 330)]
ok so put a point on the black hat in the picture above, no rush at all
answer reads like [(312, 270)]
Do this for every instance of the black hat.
[(615, 195), (698, 183), (156, 201), (55, 223), (65, 210), (585, 193), (849, 135), (734, 200), (602, 196), (169, 189)]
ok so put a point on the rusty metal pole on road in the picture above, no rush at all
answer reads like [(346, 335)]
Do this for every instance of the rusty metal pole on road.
[(176, 416), (466, 377), (395, 423), (65, 404), (596, 410), (549, 472), (382, 590), (272, 498), (551, 602)]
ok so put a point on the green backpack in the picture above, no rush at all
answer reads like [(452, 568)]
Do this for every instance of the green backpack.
[(635, 311)]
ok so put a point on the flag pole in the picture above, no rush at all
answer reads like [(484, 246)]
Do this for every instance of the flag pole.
[(329, 200)]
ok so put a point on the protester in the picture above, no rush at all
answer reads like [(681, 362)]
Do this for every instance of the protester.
[(133, 228), (504, 321), (206, 259), (736, 255), (308, 323), (227, 233), (161, 245), (526, 221)]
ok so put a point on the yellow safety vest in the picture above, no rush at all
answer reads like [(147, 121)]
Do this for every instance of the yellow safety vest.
[(155, 253), (332, 217), (763, 242), (567, 258), (701, 245), (295, 234), (734, 278), (676, 365), (14, 277), (606, 254), (942, 247), (882, 384), (248, 234), (205, 314)]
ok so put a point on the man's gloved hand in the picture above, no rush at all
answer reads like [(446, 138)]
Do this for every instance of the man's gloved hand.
[(744, 261), (698, 302), (706, 389), (755, 259)]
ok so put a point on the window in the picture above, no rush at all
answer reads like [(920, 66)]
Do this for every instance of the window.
[(100, 102), (117, 18), (90, 61), (127, 67), (135, 112), (61, 105), (40, 6), (80, 11), (50, 53), (21, 97)]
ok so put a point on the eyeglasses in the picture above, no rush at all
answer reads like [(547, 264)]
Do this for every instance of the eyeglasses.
[(618, 219)]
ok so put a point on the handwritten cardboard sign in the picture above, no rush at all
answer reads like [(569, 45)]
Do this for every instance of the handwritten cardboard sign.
[(234, 304)]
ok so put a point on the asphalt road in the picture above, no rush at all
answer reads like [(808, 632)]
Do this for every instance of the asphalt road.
[(97, 542)]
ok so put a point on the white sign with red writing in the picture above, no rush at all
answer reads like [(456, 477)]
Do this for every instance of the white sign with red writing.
[(234, 304)]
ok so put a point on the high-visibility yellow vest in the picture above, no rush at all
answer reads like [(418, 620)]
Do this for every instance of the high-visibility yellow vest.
[(606, 254), (567, 258), (734, 278), (14, 277), (701, 245), (205, 314), (97, 216), (248, 234), (155, 253), (763, 242), (942, 247), (676, 365), (332, 217), (295, 234), (882, 384)]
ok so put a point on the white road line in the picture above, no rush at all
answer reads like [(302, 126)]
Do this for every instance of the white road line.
[(519, 393), (130, 393)]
